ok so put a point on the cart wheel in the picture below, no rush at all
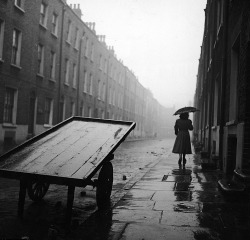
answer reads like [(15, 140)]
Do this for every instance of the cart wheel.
[(104, 185), (37, 190)]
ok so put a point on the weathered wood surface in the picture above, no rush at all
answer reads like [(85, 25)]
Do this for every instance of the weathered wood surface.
[(72, 151)]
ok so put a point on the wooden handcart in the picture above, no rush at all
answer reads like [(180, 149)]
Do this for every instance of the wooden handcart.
[(70, 154)]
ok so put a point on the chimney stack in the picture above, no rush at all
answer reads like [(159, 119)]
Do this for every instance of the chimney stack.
[(76, 9)]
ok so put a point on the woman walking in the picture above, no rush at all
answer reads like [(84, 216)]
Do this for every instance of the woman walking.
[(182, 144)]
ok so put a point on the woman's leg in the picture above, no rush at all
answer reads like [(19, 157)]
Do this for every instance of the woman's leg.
[(184, 159), (179, 162)]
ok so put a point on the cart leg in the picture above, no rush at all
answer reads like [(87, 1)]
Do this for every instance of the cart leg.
[(22, 194), (70, 200)]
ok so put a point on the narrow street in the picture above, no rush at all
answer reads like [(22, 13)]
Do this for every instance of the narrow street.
[(132, 160)]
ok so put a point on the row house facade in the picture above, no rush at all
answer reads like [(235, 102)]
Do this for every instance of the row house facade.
[(53, 66), (222, 92)]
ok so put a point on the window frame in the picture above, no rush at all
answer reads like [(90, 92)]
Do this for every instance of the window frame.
[(54, 23), (43, 15), (48, 115), (52, 65), (13, 110), (74, 75), (66, 76), (40, 59), (16, 60), (69, 32)]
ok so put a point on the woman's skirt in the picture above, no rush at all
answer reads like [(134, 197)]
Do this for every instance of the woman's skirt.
[(182, 143)]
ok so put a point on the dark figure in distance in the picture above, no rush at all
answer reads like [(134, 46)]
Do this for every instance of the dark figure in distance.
[(182, 144)]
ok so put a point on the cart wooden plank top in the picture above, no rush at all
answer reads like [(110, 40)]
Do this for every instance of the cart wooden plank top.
[(72, 150)]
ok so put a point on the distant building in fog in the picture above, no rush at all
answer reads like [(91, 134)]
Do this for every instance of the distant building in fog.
[(53, 66)]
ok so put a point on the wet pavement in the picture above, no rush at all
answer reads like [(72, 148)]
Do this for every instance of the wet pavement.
[(152, 199)]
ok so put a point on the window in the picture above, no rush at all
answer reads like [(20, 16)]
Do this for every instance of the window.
[(48, 111), (105, 65), (219, 18), (43, 15), (85, 84), (100, 62), (99, 90), (72, 109), (1, 38), (55, 24), (10, 106), (66, 81), (86, 48), (92, 52), (76, 44), (52, 65), (16, 47), (103, 91), (114, 97), (19, 3), (91, 84), (102, 114), (69, 32), (74, 75), (40, 58), (62, 109), (110, 95), (82, 109), (89, 112)]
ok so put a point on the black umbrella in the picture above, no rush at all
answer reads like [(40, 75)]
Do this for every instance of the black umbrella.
[(186, 110)]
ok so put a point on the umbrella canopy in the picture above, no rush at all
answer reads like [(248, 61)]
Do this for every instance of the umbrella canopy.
[(186, 110)]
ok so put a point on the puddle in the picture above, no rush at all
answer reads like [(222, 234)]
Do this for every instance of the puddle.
[(185, 207)]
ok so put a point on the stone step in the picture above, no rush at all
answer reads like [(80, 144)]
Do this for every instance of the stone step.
[(230, 186), (242, 175)]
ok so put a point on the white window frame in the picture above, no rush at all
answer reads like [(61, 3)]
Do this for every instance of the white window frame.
[(16, 45), (55, 24), (73, 108), (74, 75), (100, 62), (110, 95), (103, 91), (52, 65), (2, 25), (82, 112), (91, 84), (86, 48), (89, 112), (19, 4), (66, 79), (92, 52), (51, 110), (77, 39), (85, 83), (14, 107), (40, 59), (69, 32), (43, 15), (99, 89)]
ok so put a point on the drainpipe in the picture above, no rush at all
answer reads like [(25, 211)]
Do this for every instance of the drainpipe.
[(107, 90), (79, 70), (60, 64), (223, 82)]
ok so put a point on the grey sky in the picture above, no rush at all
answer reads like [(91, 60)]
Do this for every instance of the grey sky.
[(158, 39)]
